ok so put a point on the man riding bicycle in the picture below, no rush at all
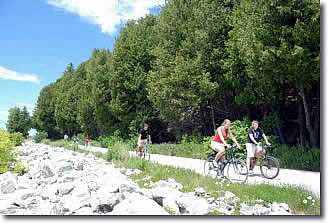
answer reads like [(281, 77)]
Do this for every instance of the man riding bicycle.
[(254, 150), (143, 139)]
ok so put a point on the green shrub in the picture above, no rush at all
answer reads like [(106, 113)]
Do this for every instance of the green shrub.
[(189, 150), (39, 136), (197, 139), (7, 151), (132, 141), (118, 151), (81, 138), (17, 138), (239, 129), (19, 168), (108, 141), (61, 143), (45, 141), (96, 143), (3, 168)]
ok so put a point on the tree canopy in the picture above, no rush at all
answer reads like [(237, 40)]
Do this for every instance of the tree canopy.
[(195, 64)]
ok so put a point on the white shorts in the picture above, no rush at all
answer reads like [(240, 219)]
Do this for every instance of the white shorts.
[(143, 143), (253, 149), (218, 147)]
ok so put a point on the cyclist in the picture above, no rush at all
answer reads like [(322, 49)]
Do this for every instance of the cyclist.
[(254, 150), (143, 139), (87, 141), (218, 142)]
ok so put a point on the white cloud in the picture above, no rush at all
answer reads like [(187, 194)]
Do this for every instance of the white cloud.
[(13, 75), (107, 13)]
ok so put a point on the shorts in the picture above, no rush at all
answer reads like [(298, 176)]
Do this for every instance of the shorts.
[(218, 147), (253, 149), (142, 143)]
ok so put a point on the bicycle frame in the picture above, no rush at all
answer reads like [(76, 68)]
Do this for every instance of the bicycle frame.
[(231, 157)]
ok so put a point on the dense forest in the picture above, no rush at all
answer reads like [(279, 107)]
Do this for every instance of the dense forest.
[(190, 67)]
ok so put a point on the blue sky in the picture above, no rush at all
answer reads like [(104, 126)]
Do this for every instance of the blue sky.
[(40, 38)]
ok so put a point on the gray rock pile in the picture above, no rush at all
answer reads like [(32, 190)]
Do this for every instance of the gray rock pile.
[(62, 182)]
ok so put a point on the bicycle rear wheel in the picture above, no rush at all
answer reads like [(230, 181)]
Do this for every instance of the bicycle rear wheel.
[(209, 168), (237, 171), (269, 167)]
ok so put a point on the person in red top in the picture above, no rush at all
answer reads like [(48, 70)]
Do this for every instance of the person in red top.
[(218, 142), (87, 141)]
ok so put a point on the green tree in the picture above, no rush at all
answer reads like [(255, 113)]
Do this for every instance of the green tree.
[(66, 103), (44, 114), (131, 63), (85, 108), (19, 120), (275, 45), (187, 76), (99, 94)]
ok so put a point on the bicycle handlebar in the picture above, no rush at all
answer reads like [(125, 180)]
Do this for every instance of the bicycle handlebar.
[(231, 146)]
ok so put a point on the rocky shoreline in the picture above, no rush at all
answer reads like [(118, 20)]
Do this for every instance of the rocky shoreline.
[(63, 182)]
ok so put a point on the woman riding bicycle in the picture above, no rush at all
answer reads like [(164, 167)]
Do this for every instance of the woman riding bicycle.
[(254, 150), (218, 142)]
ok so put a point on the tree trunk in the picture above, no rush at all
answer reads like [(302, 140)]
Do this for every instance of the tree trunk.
[(317, 125), (212, 115), (309, 127), (281, 136), (300, 120)]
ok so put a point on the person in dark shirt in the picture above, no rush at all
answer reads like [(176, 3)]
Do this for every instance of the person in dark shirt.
[(254, 151), (143, 139)]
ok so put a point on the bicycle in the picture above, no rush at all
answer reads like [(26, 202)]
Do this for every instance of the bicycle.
[(237, 171), (143, 154), (269, 165)]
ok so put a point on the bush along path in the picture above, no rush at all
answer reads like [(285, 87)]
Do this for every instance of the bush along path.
[(63, 182)]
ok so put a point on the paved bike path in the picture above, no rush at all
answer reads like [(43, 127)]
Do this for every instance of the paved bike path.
[(306, 179)]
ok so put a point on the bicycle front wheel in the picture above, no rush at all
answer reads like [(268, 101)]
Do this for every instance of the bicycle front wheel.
[(269, 167), (237, 171)]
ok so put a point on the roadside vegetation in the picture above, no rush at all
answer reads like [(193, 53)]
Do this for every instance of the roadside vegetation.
[(8, 153)]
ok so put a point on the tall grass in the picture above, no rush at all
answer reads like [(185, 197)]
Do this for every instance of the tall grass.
[(297, 157), (188, 150)]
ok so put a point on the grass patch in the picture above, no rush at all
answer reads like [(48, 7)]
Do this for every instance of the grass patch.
[(188, 150), (73, 147), (291, 195), (215, 213)]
